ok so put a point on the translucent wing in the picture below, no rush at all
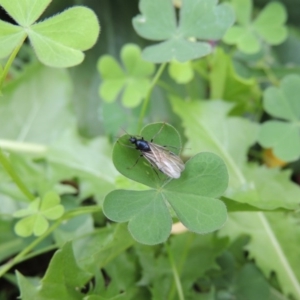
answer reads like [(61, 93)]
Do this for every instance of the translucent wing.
[(164, 160)]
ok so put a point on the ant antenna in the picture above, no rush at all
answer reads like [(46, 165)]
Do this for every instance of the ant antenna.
[(126, 131), (131, 135)]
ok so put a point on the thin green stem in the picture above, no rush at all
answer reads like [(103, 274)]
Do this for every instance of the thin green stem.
[(11, 172), (180, 263), (175, 273), (270, 75), (23, 253), (38, 252), (22, 147), (147, 98), (9, 62)]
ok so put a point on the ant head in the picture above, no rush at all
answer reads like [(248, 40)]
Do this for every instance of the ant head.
[(132, 139)]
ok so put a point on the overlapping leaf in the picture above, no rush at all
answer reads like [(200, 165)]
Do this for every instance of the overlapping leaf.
[(37, 118), (193, 196), (79, 260), (90, 162), (181, 72), (36, 216), (134, 79), (53, 46), (283, 103), (37, 108), (268, 26), (278, 236), (226, 84), (198, 19), (209, 128)]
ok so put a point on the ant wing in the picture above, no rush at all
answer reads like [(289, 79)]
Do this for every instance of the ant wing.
[(164, 160)]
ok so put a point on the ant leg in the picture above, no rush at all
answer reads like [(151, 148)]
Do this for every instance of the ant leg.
[(155, 172), (128, 146), (159, 131), (135, 162), (167, 146), (138, 161)]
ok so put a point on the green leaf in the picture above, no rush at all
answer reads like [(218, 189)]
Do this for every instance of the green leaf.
[(134, 79), (181, 72), (65, 281), (50, 199), (177, 49), (124, 157), (188, 250), (53, 46), (283, 103), (277, 234), (243, 10), (76, 223), (148, 26), (287, 52), (268, 27), (208, 128), (35, 224), (24, 227), (10, 37), (87, 163), (25, 12), (32, 208), (149, 219), (37, 215), (278, 192), (101, 247), (226, 84), (245, 40), (199, 19), (192, 196), (123, 286), (57, 48), (40, 225), (27, 289), (50, 206), (10, 243), (282, 137), (25, 106), (251, 284), (270, 23), (202, 122), (268, 188)]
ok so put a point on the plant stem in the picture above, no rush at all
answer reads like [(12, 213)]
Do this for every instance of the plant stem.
[(270, 75), (38, 252), (11, 172), (22, 147), (175, 273), (181, 261), (20, 256), (147, 98), (9, 62)]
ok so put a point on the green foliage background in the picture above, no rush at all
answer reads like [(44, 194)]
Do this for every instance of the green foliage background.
[(74, 220)]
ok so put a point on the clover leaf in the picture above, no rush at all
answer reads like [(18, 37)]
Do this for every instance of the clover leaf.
[(181, 72), (37, 214), (283, 103), (227, 84), (58, 41), (268, 26), (192, 197), (133, 79), (198, 20)]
